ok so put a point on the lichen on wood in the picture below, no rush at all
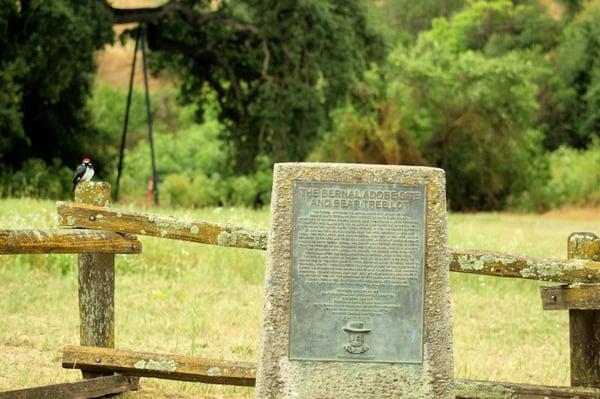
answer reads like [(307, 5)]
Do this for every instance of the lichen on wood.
[(471, 389), (166, 366), (96, 278), (505, 265), (584, 324), (94, 217), (52, 241)]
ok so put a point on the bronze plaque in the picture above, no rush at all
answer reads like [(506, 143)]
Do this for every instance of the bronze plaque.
[(357, 272)]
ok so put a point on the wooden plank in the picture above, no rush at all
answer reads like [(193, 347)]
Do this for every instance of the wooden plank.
[(583, 246), (93, 388), (471, 389), (503, 265), (96, 282), (566, 297), (462, 260), (233, 373), (584, 328), (172, 367), (584, 325), (67, 241), (94, 217)]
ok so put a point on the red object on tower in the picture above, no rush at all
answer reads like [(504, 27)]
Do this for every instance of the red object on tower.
[(150, 192)]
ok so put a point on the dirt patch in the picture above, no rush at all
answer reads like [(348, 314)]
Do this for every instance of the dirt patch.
[(114, 65), (574, 214)]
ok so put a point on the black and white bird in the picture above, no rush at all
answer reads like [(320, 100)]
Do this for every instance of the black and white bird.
[(84, 172)]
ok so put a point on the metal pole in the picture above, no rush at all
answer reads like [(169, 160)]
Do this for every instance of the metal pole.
[(149, 113), (127, 107)]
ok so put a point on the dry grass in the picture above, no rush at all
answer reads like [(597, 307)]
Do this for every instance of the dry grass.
[(114, 62), (200, 300), (114, 66), (555, 8)]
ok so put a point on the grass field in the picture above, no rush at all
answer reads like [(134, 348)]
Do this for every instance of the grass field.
[(200, 300)]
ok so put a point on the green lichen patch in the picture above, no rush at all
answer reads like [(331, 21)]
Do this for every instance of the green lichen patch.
[(482, 391), (214, 372), (243, 238), (545, 271), (156, 365), (489, 258), (468, 262), (226, 239)]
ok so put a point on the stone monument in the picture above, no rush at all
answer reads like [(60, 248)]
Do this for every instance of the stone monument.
[(357, 301)]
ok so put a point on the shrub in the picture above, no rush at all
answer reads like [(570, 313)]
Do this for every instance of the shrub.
[(37, 179), (193, 170), (176, 191), (575, 176), (207, 191), (242, 191), (572, 179)]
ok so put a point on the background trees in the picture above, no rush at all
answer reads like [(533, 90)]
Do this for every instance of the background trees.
[(276, 67), (47, 69), (496, 92)]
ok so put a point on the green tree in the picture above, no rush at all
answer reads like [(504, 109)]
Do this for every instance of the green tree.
[(46, 71), (457, 108), (499, 26), (276, 67), (573, 108), (11, 70), (472, 116), (409, 17)]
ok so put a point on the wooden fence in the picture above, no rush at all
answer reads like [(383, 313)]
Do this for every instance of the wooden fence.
[(97, 233)]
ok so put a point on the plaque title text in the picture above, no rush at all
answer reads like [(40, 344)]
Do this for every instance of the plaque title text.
[(355, 198)]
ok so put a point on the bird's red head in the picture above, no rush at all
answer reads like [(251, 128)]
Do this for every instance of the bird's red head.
[(87, 160)]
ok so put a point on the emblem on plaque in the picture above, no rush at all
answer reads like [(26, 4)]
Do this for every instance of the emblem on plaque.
[(356, 337)]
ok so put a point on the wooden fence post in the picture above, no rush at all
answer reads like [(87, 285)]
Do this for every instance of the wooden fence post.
[(96, 282), (584, 325)]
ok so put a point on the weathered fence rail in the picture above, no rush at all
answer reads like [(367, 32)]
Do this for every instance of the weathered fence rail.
[(93, 388), (498, 264), (462, 260), (244, 373), (186, 368), (97, 233), (95, 217), (67, 241), (172, 367)]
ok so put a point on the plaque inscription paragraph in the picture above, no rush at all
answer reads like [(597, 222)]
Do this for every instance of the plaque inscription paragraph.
[(357, 272)]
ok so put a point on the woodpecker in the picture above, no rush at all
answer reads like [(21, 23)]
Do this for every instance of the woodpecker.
[(84, 172)]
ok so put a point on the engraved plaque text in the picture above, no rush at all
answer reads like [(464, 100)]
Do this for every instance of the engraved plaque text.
[(357, 272)]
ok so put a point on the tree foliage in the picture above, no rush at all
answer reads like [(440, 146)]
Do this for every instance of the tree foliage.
[(46, 70), (277, 67), (497, 27), (408, 18), (573, 106), (471, 116), (462, 98), (470, 86)]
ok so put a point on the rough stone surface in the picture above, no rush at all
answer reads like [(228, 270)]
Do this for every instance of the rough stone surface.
[(278, 377)]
